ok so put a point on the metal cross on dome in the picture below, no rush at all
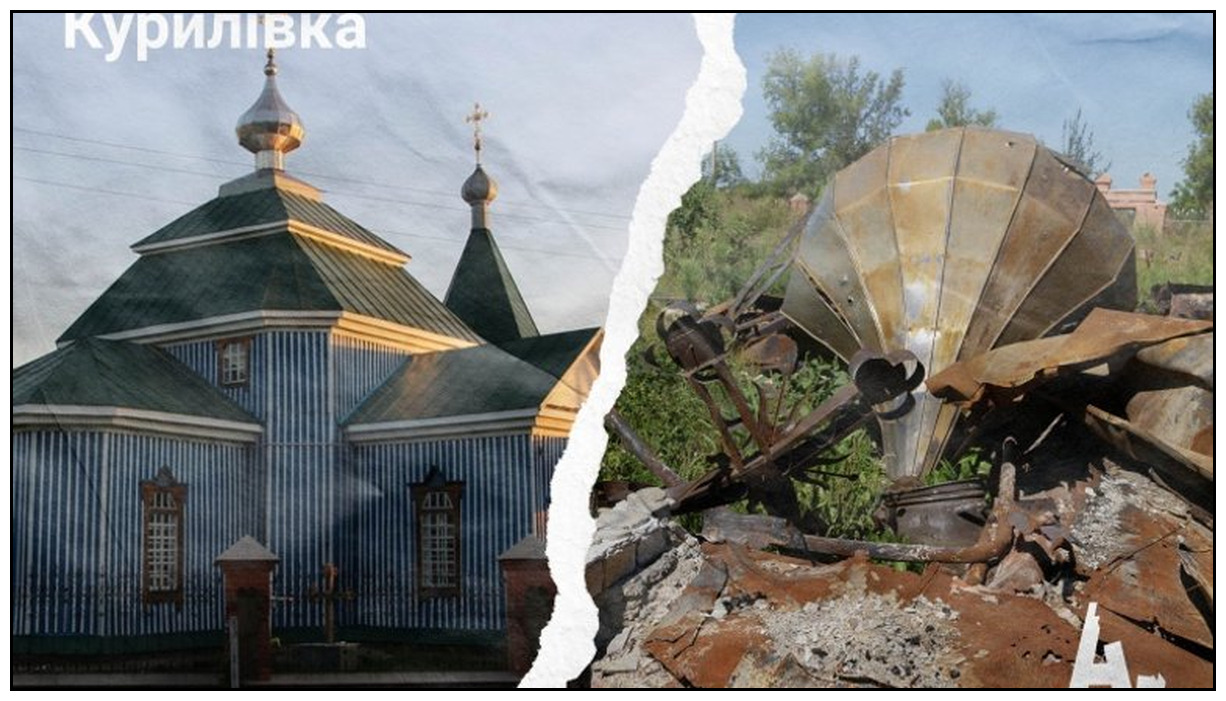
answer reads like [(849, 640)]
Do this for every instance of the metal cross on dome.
[(478, 115)]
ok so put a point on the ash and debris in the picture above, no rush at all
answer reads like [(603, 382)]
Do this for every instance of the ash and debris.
[(648, 596), (1095, 532), (721, 615), (871, 637)]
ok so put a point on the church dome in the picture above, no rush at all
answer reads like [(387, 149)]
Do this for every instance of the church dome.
[(479, 187), (269, 128)]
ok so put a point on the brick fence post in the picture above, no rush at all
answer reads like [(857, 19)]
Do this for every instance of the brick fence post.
[(247, 568)]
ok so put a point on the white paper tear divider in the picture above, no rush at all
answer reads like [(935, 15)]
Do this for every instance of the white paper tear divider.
[(712, 108)]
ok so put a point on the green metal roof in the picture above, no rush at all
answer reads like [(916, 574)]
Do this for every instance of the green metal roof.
[(554, 353), (280, 271), (484, 379), (483, 292), (95, 372), (477, 380), (263, 206)]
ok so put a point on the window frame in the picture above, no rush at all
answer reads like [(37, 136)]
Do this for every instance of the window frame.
[(163, 485), (423, 492), (223, 346)]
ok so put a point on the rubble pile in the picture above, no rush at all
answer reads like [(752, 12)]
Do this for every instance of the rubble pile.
[(871, 637), (705, 614), (979, 291)]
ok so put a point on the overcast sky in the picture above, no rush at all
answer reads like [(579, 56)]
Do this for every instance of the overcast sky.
[(106, 153), (1133, 76)]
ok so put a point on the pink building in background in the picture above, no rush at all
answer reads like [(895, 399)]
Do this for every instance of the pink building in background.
[(1143, 201)]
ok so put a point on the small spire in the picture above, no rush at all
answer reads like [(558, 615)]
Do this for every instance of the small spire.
[(480, 189), (270, 68), (478, 115), (269, 128)]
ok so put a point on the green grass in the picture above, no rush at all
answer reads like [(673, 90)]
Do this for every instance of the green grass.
[(1181, 253)]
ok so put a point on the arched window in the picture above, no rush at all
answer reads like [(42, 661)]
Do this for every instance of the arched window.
[(437, 506), (162, 539)]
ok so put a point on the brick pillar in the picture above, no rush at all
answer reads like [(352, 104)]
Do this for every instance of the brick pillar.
[(247, 568), (529, 600)]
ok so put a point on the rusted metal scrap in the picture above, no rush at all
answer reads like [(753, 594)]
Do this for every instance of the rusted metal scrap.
[(1164, 364), (1105, 335), (994, 538), (614, 421), (782, 445)]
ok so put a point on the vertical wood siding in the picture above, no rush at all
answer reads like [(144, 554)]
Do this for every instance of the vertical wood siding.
[(311, 499), (77, 519), (546, 452), (376, 533), (360, 367), (301, 439), (201, 356)]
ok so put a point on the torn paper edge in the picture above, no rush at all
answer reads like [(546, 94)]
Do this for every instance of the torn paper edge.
[(712, 108)]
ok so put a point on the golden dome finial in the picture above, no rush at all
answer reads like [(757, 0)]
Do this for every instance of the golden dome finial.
[(269, 128), (270, 68)]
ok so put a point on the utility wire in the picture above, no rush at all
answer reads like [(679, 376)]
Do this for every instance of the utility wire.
[(393, 232), (325, 176), (338, 193)]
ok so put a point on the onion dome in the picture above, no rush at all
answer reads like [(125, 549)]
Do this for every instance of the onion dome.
[(269, 128), (480, 188)]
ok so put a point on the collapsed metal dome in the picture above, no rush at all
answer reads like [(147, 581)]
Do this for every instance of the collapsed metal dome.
[(948, 244)]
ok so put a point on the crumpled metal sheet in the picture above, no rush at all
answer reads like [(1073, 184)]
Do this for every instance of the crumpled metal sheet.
[(1104, 334), (1139, 444), (1145, 585), (948, 244), (1188, 355)]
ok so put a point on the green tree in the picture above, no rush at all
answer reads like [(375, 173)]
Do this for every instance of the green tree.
[(1193, 198), (727, 165), (1077, 147), (954, 109), (826, 113)]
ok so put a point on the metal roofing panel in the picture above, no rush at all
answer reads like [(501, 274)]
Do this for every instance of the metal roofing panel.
[(268, 272), (95, 372), (484, 294), (279, 271), (364, 286), (478, 380), (554, 353), (264, 206)]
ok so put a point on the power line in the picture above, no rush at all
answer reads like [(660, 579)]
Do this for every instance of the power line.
[(338, 193), (324, 176), (101, 159), (101, 190), (448, 239)]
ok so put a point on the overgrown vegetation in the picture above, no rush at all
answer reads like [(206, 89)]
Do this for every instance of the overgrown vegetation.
[(1077, 146), (827, 112), (955, 109), (1181, 253), (1193, 198)]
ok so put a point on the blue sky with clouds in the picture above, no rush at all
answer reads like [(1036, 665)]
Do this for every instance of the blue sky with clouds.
[(1133, 76)]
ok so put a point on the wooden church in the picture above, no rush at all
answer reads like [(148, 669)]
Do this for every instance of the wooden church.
[(268, 368)]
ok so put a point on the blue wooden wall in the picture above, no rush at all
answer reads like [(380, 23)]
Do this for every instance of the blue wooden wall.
[(300, 491), (77, 518), (376, 528), (360, 366)]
